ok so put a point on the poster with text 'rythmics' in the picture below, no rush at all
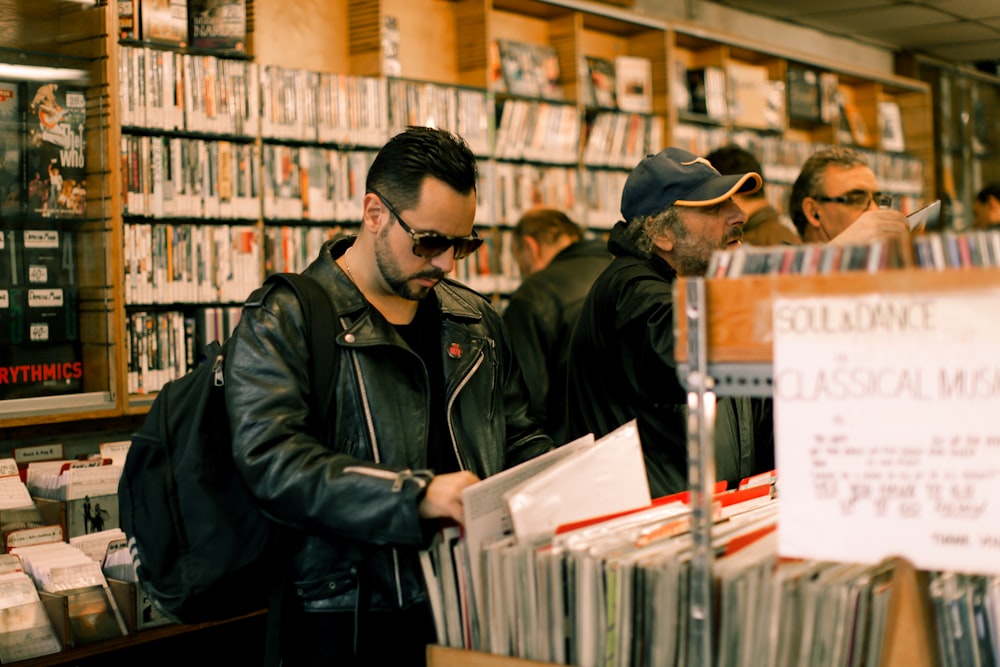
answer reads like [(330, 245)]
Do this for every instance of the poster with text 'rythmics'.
[(885, 427)]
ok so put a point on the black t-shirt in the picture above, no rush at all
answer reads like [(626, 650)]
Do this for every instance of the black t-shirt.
[(423, 335)]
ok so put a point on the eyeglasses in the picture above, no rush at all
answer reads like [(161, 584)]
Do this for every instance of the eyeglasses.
[(431, 244), (859, 199)]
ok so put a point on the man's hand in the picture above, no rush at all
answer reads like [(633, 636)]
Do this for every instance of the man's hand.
[(881, 224), (444, 496)]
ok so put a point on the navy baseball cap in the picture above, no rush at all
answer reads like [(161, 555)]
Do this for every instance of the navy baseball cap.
[(676, 177)]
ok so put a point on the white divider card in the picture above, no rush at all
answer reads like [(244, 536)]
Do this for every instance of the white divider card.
[(117, 451), (886, 428), (13, 492)]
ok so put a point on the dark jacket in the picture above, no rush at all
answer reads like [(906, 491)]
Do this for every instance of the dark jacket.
[(541, 315), (622, 367), (351, 495)]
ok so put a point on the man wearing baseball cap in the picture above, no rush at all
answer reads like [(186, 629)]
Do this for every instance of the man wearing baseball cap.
[(677, 209)]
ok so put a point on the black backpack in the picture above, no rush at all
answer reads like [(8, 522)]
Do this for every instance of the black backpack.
[(203, 550)]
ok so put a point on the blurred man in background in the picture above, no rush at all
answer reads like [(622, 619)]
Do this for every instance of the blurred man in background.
[(764, 225), (558, 266)]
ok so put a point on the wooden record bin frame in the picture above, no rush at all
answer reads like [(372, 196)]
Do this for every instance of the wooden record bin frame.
[(724, 347)]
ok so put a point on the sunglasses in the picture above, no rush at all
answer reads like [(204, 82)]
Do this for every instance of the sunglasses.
[(431, 244), (859, 200)]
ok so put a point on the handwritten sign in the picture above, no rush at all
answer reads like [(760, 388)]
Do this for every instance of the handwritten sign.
[(887, 429)]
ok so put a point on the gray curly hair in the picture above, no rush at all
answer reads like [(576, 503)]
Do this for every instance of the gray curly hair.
[(641, 232)]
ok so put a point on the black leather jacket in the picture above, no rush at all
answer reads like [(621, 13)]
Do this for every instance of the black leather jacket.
[(622, 367), (541, 316), (351, 495)]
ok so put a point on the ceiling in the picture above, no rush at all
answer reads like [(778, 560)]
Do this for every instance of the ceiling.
[(963, 31)]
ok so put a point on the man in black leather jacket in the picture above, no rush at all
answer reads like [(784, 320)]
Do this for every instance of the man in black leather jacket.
[(558, 266), (427, 400), (678, 209)]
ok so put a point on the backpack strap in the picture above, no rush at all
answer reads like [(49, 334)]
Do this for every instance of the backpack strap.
[(320, 318)]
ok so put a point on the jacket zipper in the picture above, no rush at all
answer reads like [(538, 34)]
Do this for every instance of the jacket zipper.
[(385, 474), (398, 478), (366, 406), (370, 424), (451, 404), (217, 372)]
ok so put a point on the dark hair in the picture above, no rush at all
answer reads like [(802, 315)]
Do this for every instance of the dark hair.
[(399, 169), (991, 190), (807, 184), (733, 159), (546, 225)]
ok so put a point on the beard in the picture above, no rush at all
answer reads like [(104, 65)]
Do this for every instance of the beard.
[(392, 274), (692, 254)]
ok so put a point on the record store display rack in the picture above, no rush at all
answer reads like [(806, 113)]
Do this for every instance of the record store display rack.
[(155, 169), (726, 348)]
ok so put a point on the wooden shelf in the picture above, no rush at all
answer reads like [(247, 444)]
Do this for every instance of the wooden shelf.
[(908, 641), (235, 641), (738, 310), (442, 656)]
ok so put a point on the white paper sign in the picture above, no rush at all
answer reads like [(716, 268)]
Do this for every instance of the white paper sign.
[(887, 428)]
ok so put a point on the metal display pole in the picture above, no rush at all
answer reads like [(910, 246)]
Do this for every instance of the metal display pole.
[(701, 475)]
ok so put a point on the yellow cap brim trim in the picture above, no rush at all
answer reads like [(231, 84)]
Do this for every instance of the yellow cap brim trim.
[(758, 183)]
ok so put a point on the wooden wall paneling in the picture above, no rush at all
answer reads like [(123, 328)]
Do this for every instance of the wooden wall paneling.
[(564, 36), (776, 67), (428, 45), (713, 55), (251, 18), (472, 42), (47, 27), (427, 39), (80, 30), (364, 36), (603, 44), (918, 128), (507, 25), (823, 135), (304, 34)]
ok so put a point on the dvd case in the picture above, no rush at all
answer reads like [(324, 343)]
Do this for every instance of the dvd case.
[(220, 25), (56, 150)]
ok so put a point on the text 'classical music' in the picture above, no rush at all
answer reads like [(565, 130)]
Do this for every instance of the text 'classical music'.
[(918, 383)]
